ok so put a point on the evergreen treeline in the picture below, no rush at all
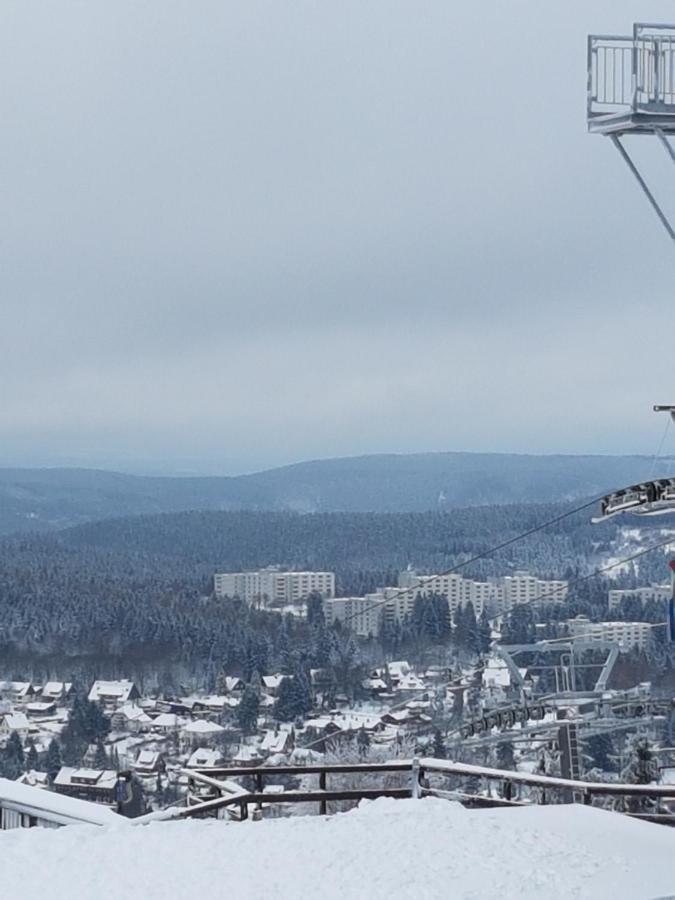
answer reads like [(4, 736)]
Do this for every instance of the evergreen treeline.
[(132, 596), (360, 547)]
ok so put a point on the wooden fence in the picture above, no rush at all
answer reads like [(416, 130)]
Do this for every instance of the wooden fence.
[(209, 794)]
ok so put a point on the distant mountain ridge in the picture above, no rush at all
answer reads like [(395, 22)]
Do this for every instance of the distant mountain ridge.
[(47, 499)]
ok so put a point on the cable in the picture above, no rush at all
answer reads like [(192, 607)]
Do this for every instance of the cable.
[(594, 634), (519, 537), (660, 447), (593, 574)]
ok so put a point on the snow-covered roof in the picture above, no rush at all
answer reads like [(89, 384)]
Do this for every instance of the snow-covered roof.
[(17, 688), (398, 668), (305, 755), (374, 684), (40, 706), (246, 754), (410, 683), (272, 682), (56, 689), (205, 757), (275, 743), (103, 779), (120, 691), (34, 778), (53, 807), (496, 674), (213, 701), (17, 721), (345, 721), (166, 720), (201, 726), (146, 759), (134, 713)]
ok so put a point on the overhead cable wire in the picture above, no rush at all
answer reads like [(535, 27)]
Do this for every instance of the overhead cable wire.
[(398, 592), (659, 449), (599, 571)]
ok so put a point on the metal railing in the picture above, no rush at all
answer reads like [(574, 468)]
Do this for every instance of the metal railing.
[(224, 795), (632, 74)]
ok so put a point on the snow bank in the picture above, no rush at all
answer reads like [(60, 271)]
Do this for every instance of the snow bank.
[(386, 849), (36, 801)]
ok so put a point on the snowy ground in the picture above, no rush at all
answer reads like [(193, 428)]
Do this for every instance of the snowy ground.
[(386, 849)]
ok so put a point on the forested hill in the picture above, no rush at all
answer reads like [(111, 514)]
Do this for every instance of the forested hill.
[(46, 499), (371, 546), (105, 598)]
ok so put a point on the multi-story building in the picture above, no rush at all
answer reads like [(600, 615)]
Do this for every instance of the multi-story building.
[(661, 593), (521, 587), (496, 595), (458, 590), (365, 615), (361, 614), (627, 634), (273, 586)]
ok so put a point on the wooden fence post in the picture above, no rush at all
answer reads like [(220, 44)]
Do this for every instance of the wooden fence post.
[(415, 792), (259, 787), (322, 787)]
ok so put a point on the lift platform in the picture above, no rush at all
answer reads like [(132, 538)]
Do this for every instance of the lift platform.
[(631, 91)]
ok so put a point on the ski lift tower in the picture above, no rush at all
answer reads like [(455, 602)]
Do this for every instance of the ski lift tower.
[(631, 91)]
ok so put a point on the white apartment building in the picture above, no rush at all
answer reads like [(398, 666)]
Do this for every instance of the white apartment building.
[(659, 592), (273, 586), (522, 587), (365, 615), (458, 590), (627, 634), (496, 595), (361, 614)]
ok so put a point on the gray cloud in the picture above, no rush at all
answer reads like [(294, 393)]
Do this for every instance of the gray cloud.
[(241, 234)]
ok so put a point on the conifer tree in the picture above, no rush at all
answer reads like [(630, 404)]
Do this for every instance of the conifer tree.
[(53, 760), (31, 756), (100, 757), (247, 711), (363, 741), (438, 746)]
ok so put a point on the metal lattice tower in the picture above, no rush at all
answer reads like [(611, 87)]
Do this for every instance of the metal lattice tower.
[(631, 90)]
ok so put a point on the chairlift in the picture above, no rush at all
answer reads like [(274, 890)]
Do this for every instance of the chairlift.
[(649, 498)]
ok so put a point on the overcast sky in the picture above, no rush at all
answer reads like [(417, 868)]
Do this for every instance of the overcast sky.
[(242, 234)]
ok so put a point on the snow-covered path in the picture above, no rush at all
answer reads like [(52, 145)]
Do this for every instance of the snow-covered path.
[(386, 849)]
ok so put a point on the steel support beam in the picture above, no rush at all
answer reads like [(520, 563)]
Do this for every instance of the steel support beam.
[(666, 143), (643, 184), (603, 677)]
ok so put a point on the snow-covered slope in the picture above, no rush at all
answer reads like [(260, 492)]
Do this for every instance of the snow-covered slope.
[(385, 849)]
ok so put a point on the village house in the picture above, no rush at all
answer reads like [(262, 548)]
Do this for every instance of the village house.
[(56, 691), (282, 742), (15, 723), (34, 778), (149, 762), (201, 731), (211, 707), (247, 755), (97, 785), (40, 709), (25, 805), (113, 694), (167, 723), (17, 691), (205, 758), (130, 718), (177, 707), (272, 683)]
